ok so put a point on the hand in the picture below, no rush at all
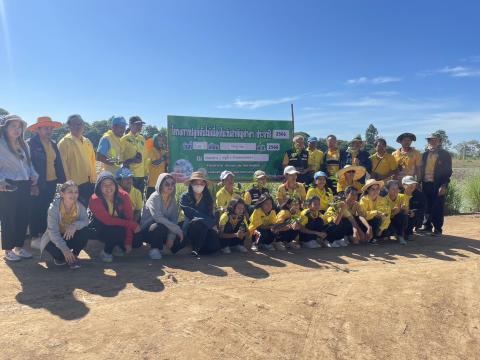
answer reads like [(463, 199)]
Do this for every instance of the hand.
[(34, 190), (322, 235), (70, 257), (295, 226), (442, 190), (3, 186), (128, 249), (369, 233), (69, 232), (395, 211), (169, 243), (137, 229), (34, 181), (180, 236)]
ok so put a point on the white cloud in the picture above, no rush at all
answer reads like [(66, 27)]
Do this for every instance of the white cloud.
[(395, 105), (460, 71), (471, 59), (259, 103), (375, 81)]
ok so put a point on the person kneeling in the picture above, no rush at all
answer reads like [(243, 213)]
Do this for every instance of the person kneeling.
[(160, 218), (67, 232), (312, 232), (262, 222), (287, 225), (375, 208), (233, 227), (113, 217), (398, 204)]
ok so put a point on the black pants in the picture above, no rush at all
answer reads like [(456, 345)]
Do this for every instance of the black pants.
[(112, 236), (203, 239), (85, 192), (14, 208), (434, 206), (332, 184), (337, 232), (414, 222), (230, 242), (374, 223), (157, 235), (150, 191), (39, 208), (139, 183), (314, 225), (76, 244), (287, 236), (397, 224), (266, 236)]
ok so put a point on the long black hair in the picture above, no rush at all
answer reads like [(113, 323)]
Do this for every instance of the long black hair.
[(206, 196)]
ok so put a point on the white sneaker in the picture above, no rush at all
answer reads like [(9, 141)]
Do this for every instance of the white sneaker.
[(279, 245), (293, 245), (225, 250), (327, 243), (335, 244), (312, 244), (107, 258), (268, 247), (24, 254), (11, 256), (254, 247), (35, 243), (118, 252), (155, 254), (240, 248), (343, 242)]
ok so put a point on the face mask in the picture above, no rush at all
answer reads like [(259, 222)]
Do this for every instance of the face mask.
[(198, 188)]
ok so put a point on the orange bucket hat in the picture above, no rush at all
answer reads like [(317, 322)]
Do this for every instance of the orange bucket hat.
[(44, 121)]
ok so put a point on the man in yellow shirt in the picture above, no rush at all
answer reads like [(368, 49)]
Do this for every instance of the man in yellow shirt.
[(384, 165), (409, 160), (157, 160), (349, 176), (78, 158), (398, 204), (124, 178), (110, 149), (315, 156), (133, 144), (333, 160)]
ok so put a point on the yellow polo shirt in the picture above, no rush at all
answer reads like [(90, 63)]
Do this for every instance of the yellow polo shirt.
[(225, 219), (260, 219), (326, 196), (402, 201), (223, 198), (383, 165), (154, 171), (298, 193), (136, 199), (342, 185), (430, 166), (315, 159), (332, 168), (407, 162), (304, 218), (374, 208), (132, 144), (51, 157), (78, 159)]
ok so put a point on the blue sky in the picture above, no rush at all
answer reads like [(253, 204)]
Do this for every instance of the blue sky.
[(401, 65)]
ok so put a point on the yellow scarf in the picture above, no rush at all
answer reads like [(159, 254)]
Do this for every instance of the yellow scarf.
[(67, 219)]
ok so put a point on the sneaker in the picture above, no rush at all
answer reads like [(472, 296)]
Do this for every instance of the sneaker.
[(437, 232), (155, 254), (424, 229), (327, 244), (24, 254), (107, 258), (312, 244), (348, 239), (335, 244), (268, 247), (343, 242), (373, 241), (226, 250), (59, 262), (35, 243), (279, 245), (240, 248), (401, 240), (11, 256), (254, 247), (293, 245), (74, 266), (118, 252)]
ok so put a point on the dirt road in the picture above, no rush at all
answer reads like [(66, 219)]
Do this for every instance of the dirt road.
[(421, 301)]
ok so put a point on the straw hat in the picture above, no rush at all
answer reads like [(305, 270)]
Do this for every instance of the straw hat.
[(44, 121), (404, 135), (371, 182), (360, 171), (4, 120), (196, 175)]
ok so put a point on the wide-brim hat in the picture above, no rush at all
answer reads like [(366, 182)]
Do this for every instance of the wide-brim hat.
[(44, 121), (433, 136), (404, 135), (360, 171), (4, 120), (196, 175), (371, 182)]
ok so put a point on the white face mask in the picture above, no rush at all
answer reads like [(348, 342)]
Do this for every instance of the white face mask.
[(198, 188)]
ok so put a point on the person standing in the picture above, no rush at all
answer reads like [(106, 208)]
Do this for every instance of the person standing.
[(384, 165), (47, 162), (298, 158), (334, 159), (315, 156), (78, 158), (110, 148), (436, 173), (133, 144), (157, 158), (356, 156), (18, 179), (409, 160)]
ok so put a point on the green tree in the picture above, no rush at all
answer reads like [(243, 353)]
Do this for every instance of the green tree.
[(371, 134), (3, 112), (149, 130), (446, 143)]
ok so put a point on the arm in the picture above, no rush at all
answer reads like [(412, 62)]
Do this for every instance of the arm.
[(160, 218), (102, 151), (53, 228), (102, 215), (64, 155), (82, 220)]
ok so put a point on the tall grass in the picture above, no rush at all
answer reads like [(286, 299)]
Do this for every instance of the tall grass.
[(453, 198), (472, 192)]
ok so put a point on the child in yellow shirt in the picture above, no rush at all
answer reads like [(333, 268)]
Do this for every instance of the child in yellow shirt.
[(233, 227), (262, 222), (287, 226)]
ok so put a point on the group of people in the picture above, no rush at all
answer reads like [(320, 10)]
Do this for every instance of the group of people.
[(327, 199)]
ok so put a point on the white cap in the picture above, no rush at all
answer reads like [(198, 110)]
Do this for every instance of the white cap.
[(224, 174), (409, 180), (259, 174), (290, 170)]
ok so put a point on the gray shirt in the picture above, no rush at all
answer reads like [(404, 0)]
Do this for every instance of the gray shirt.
[(13, 168)]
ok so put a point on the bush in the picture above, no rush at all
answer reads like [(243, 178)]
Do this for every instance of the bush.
[(453, 198), (472, 192)]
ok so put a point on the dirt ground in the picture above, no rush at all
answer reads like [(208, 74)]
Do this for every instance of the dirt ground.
[(421, 301)]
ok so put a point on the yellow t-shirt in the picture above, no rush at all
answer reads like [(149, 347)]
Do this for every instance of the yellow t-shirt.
[(155, 171), (407, 162), (115, 152), (304, 218), (136, 199), (326, 196), (282, 216), (298, 193), (315, 159), (402, 201), (342, 185), (332, 168), (383, 165), (78, 159), (111, 210), (67, 219), (225, 218), (223, 197), (430, 166), (372, 209), (260, 219), (132, 144), (51, 157)]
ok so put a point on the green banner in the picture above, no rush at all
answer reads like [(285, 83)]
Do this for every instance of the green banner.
[(215, 144)]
